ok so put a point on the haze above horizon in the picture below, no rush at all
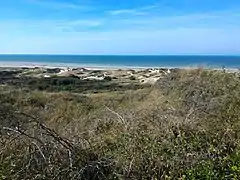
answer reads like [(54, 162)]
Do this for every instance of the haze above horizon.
[(137, 27)]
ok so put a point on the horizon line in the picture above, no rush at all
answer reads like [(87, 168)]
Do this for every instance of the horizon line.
[(52, 54)]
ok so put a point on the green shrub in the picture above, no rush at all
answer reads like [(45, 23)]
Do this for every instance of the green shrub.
[(107, 78), (132, 78)]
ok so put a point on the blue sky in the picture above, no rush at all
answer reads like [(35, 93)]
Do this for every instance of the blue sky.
[(120, 27)]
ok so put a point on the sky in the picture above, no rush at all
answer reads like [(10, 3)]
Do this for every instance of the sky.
[(120, 27)]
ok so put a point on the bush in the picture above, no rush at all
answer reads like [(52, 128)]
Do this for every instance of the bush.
[(107, 78), (186, 127), (132, 78)]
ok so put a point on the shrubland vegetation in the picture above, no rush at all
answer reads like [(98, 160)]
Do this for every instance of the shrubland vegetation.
[(186, 126), (71, 84)]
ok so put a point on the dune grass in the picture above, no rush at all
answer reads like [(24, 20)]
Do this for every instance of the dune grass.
[(184, 127)]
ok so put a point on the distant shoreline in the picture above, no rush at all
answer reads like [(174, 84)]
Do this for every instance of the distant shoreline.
[(89, 66), (64, 65), (18, 64)]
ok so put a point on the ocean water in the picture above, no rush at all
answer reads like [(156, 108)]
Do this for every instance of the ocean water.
[(126, 61)]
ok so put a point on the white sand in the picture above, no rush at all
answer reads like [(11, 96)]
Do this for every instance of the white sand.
[(12, 64), (64, 65)]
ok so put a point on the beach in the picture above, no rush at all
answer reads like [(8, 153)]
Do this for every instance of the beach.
[(70, 65)]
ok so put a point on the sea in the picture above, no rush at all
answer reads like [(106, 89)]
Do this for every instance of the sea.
[(231, 62)]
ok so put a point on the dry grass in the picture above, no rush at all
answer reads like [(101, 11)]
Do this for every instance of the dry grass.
[(186, 127)]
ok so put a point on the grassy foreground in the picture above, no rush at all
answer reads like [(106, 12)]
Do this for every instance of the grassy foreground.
[(186, 126)]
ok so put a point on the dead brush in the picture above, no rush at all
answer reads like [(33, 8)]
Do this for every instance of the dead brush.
[(38, 152)]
